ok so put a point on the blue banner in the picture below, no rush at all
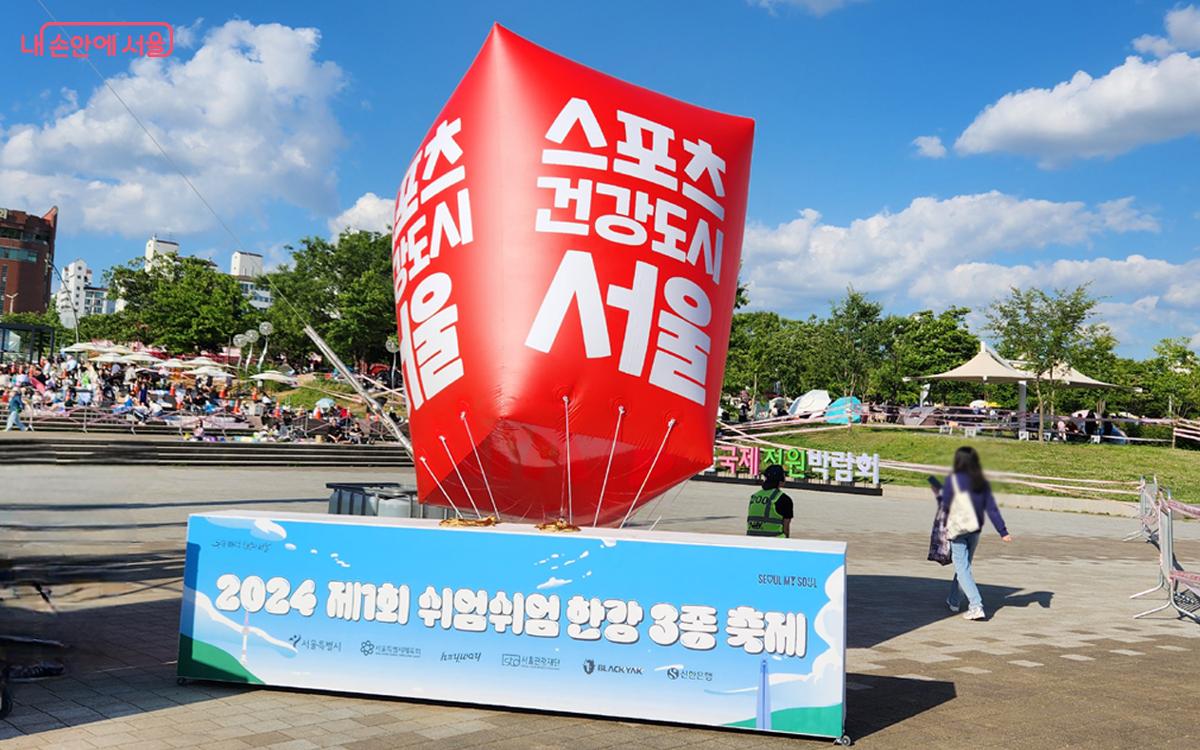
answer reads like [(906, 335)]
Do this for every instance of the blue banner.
[(696, 628)]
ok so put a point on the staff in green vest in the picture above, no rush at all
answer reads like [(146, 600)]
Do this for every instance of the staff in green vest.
[(770, 511)]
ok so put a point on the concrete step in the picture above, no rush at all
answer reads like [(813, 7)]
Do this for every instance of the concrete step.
[(125, 451)]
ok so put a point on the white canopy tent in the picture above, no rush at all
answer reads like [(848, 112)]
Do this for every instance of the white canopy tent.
[(989, 367), (813, 402), (1069, 377), (985, 367), (275, 376)]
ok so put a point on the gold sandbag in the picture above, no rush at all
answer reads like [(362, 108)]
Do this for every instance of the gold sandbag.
[(469, 522), (557, 527)]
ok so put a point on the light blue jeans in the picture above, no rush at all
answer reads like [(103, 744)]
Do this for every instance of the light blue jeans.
[(14, 420), (962, 552)]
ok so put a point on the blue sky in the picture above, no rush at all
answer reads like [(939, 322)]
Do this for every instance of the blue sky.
[(1066, 134)]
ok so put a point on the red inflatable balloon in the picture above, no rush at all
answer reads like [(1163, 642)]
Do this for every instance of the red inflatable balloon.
[(566, 252)]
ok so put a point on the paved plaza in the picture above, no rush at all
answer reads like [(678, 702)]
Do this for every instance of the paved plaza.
[(1058, 664)]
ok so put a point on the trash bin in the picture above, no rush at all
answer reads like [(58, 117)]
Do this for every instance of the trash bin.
[(386, 499)]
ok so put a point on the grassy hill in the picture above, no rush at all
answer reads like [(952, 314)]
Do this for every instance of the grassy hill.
[(1177, 469)]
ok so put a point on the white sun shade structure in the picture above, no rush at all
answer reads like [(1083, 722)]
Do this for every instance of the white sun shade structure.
[(275, 376), (200, 372), (81, 347), (202, 362), (140, 358), (1069, 377), (985, 367), (108, 358)]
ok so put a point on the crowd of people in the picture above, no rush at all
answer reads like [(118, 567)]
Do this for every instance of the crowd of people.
[(61, 385)]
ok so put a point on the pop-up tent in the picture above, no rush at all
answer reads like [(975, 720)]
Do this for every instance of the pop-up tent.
[(810, 403)]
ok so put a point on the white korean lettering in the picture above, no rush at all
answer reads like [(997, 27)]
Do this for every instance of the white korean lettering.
[(541, 615), (638, 301), (391, 604), (441, 145), (564, 196), (444, 227), (709, 247), (699, 626), (623, 618), (786, 634), (669, 236), (341, 603), (680, 364), (406, 199), (619, 227), (584, 617), (436, 608), (576, 112), (574, 281), (435, 338), (506, 614), (412, 249), (652, 163), (704, 161), (470, 610), (746, 628)]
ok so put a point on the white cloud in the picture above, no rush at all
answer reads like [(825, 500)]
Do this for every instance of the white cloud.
[(369, 212), (809, 261), (70, 102), (815, 7), (553, 583), (929, 146), (1183, 27), (247, 118), (186, 35), (1139, 102), (1141, 299), (970, 283), (1149, 44), (1183, 34)]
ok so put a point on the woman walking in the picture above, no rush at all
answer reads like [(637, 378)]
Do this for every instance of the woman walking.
[(967, 480)]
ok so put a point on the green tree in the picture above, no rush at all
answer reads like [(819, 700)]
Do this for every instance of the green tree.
[(181, 303), (923, 343), (343, 289), (851, 344), (1174, 378), (754, 349), (1045, 331)]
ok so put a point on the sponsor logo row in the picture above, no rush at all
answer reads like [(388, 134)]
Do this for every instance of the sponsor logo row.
[(525, 661)]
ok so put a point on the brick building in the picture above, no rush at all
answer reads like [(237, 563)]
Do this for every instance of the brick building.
[(26, 260)]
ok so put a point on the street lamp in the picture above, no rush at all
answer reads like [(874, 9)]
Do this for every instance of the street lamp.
[(266, 329), (392, 346), (12, 302), (251, 336), (239, 340)]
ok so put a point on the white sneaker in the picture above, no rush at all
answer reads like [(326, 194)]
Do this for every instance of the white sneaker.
[(975, 614), (953, 607)]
